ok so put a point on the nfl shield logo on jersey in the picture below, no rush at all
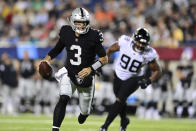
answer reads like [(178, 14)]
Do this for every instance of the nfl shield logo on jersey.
[(79, 80)]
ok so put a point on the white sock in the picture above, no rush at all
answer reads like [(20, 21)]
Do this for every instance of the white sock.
[(55, 127), (179, 111), (191, 111)]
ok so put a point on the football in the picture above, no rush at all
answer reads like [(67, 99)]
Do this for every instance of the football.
[(45, 70)]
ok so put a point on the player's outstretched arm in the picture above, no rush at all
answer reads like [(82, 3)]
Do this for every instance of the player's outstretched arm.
[(113, 48), (46, 59), (87, 71), (156, 70), (53, 53), (103, 60)]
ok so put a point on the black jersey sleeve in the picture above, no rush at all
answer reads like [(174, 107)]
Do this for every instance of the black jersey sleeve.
[(56, 50), (99, 47), (58, 47)]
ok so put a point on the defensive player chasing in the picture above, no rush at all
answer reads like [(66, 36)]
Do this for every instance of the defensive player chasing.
[(82, 44), (135, 54)]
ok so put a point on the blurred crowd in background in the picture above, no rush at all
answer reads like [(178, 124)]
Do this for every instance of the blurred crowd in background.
[(22, 90), (172, 23)]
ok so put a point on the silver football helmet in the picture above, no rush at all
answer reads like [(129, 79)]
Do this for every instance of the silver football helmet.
[(80, 15)]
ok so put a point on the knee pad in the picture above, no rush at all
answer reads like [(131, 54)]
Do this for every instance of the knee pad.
[(120, 102)]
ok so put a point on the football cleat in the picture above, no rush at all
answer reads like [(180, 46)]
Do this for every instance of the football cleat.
[(55, 129), (124, 124), (121, 129), (82, 118)]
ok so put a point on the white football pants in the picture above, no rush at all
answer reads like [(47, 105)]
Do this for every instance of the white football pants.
[(67, 87)]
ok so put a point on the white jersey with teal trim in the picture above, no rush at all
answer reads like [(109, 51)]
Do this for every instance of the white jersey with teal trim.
[(131, 63)]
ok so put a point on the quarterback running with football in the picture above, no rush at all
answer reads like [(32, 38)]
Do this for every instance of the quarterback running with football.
[(135, 55), (82, 44)]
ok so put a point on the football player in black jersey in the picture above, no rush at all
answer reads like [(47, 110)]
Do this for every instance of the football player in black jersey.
[(184, 95), (166, 84), (82, 44)]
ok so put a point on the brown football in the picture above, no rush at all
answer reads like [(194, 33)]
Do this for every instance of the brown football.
[(45, 70)]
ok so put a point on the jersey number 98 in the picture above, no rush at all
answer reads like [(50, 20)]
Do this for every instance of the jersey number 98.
[(135, 65)]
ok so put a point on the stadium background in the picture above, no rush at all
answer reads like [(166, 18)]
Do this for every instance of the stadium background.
[(33, 26)]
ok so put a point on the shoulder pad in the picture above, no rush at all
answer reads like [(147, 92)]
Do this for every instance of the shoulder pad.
[(65, 29), (152, 54), (99, 34), (124, 39)]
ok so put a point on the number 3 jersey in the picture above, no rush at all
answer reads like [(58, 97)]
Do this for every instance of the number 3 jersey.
[(81, 51), (131, 63)]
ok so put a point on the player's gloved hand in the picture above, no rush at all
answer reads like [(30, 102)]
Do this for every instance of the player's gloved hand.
[(144, 82)]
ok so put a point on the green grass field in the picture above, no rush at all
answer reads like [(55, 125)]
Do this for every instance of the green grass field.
[(28, 122)]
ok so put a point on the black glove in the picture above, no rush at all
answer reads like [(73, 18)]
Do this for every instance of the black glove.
[(144, 82)]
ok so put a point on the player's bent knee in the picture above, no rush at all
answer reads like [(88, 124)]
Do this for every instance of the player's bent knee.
[(64, 99), (120, 101)]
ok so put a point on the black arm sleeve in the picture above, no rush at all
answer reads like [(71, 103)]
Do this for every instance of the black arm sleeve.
[(100, 50), (99, 47), (56, 50)]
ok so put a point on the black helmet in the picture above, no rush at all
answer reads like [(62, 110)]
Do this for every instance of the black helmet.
[(142, 35)]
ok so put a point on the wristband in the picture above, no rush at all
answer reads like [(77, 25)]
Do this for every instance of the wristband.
[(96, 65)]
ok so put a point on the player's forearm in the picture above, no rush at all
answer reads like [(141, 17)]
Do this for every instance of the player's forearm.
[(56, 50), (155, 75), (108, 52), (115, 47), (98, 64), (104, 60), (156, 70)]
